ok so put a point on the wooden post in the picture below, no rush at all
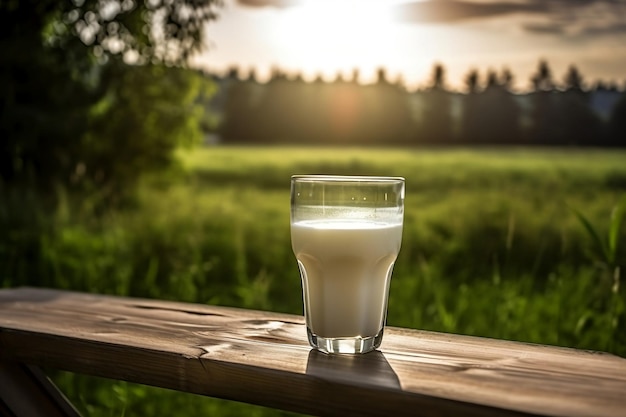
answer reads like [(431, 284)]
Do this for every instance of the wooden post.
[(26, 391)]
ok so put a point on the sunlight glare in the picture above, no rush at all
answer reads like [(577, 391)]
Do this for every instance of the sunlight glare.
[(335, 35)]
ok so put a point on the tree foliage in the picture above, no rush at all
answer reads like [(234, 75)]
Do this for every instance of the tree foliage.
[(93, 93), (157, 31)]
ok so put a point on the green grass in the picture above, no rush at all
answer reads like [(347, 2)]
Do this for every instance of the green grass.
[(496, 243)]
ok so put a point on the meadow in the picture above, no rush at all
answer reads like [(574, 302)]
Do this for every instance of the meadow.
[(514, 243)]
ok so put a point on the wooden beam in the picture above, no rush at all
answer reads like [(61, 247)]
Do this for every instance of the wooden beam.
[(263, 358), (26, 392)]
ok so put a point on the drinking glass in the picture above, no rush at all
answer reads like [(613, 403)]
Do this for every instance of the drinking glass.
[(346, 233)]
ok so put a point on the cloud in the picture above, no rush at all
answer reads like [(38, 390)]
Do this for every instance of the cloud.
[(570, 18), (544, 28), (281, 4), (557, 17), (612, 29), (451, 11)]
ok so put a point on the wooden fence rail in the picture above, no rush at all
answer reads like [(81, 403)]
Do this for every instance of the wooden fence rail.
[(263, 358)]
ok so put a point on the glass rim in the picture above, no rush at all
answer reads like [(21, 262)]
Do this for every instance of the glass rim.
[(347, 178)]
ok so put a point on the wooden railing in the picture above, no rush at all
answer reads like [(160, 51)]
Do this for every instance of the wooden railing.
[(263, 358)]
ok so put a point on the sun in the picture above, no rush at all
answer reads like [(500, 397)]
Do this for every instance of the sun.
[(326, 36)]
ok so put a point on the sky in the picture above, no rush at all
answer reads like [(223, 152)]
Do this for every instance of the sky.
[(408, 37)]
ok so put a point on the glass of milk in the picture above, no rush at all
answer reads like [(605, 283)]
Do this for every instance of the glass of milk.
[(346, 233)]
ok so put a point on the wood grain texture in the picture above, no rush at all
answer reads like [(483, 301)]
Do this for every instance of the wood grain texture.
[(263, 358)]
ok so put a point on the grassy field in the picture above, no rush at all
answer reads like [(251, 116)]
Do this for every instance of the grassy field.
[(493, 245)]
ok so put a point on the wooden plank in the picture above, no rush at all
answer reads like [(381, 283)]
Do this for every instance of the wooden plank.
[(263, 358)]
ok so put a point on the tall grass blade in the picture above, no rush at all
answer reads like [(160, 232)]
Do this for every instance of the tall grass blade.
[(600, 245), (616, 219)]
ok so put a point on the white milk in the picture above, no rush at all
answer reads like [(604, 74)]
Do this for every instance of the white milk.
[(346, 270)]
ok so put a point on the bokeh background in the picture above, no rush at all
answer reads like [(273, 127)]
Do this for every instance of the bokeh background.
[(146, 150)]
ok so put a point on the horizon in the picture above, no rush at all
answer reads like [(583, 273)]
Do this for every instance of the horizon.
[(599, 86), (408, 38)]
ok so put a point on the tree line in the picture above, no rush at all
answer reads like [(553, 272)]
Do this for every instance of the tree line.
[(288, 109)]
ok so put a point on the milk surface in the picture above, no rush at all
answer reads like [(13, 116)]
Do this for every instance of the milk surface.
[(346, 270)]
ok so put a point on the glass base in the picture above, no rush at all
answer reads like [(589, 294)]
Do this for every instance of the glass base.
[(346, 345)]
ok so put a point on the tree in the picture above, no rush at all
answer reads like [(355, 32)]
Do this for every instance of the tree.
[(276, 110), (573, 79), (238, 124), (147, 112), (156, 31), (617, 123), (438, 77), (579, 124), (437, 116), (542, 80), (506, 79), (346, 105), (544, 113), (500, 111), (470, 122), (70, 67), (492, 79), (471, 81), (385, 117), (491, 116)]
